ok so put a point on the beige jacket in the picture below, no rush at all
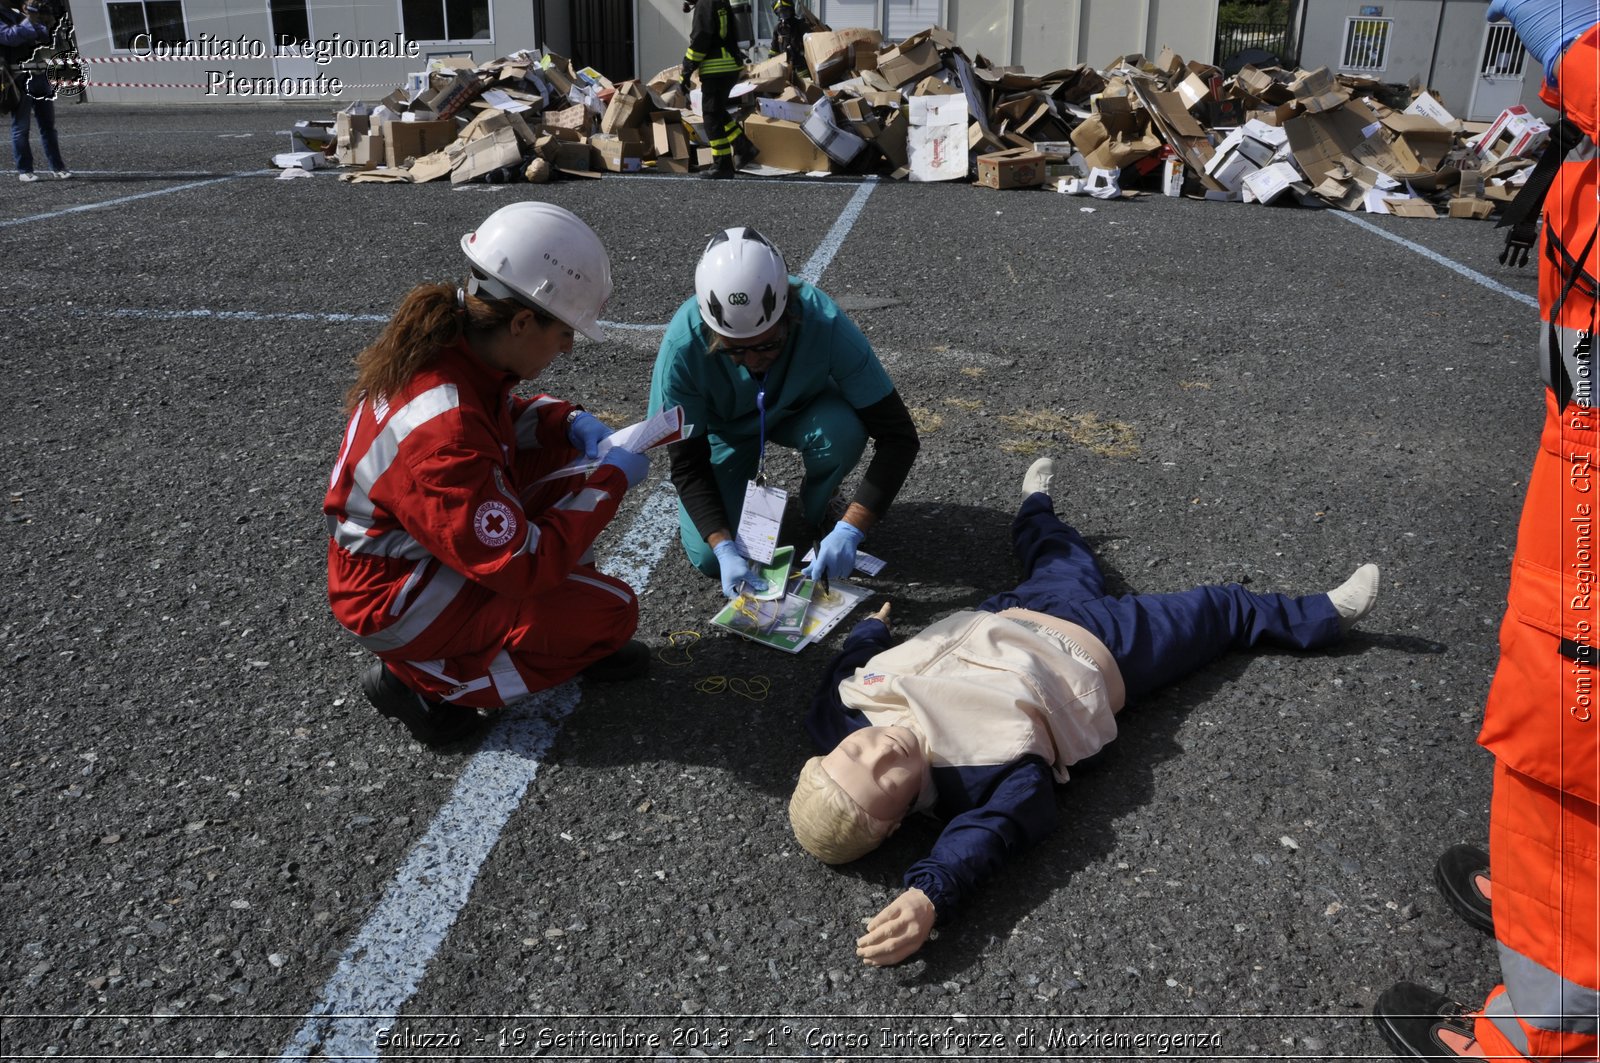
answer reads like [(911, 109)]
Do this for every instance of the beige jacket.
[(989, 688)]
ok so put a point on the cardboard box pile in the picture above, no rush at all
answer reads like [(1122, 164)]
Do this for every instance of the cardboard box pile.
[(920, 109)]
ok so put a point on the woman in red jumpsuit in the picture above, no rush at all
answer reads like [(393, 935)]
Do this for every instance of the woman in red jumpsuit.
[(450, 557)]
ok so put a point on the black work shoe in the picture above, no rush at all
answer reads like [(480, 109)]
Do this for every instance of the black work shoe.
[(632, 661), (1462, 875), (1411, 1017), (720, 170), (433, 723)]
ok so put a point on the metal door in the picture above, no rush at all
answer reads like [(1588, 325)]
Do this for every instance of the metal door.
[(602, 37), (1500, 72)]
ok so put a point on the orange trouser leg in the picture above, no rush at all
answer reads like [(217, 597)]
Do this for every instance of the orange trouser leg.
[(1543, 865)]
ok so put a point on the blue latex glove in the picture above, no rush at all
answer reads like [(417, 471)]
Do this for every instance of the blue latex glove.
[(836, 555), (736, 573), (1546, 26), (587, 432), (634, 466)]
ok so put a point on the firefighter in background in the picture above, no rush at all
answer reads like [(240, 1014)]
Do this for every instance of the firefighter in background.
[(1541, 718), (788, 37), (715, 52), (452, 556)]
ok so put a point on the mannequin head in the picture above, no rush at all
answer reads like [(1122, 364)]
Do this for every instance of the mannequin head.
[(846, 803)]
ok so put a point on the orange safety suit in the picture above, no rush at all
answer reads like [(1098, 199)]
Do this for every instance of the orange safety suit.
[(1542, 719)]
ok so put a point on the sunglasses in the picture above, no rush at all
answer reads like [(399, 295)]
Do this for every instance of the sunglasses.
[(769, 347)]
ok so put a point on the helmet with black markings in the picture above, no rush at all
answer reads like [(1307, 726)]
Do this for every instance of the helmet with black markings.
[(741, 284)]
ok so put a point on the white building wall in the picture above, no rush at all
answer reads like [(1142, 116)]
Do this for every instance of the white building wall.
[(1037, 35), (1435, 43)]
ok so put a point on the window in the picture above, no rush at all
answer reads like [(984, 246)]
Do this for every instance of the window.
[(291, 25), (445, 20), (1503, 53), (162, 20), (905, 17), (897, 19), (1366, 44)]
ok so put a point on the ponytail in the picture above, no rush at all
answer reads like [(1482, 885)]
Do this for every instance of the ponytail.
[(430, 319)]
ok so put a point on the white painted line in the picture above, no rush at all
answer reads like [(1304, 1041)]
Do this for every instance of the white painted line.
[(387, 960), (389, 956), (116, 202), (818, 263), (331, 317), (1449, 263), (232, 315)]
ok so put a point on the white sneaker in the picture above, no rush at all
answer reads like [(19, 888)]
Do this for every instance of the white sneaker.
[(63, 175), (1355, 597), (1038, 477), (27, 178)]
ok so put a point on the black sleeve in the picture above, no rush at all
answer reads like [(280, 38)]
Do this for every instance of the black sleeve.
[(894, 448), (696, 485), (703, 36)]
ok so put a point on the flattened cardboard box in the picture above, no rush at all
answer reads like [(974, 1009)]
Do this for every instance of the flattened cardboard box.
[(1420, 143), (785, 145), (892, 141), (1017, 168), (1318, 140), (908, 62), (487, 154), (1412, 208), (1469, 207)]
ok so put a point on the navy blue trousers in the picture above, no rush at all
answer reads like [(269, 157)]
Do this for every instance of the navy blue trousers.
[(1156, 639)]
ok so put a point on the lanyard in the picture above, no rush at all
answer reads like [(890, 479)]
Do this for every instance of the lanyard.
[(761, 411)]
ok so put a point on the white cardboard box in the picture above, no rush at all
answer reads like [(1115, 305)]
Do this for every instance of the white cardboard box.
[(936, 140)]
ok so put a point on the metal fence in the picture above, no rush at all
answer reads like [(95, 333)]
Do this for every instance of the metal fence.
[(1235, 37)]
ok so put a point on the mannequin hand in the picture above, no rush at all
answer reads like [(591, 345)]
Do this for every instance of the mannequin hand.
[(735, 570), (836, 555), (1546, 27), (882, 614), (634, 466), (587, 432), (897, 931)]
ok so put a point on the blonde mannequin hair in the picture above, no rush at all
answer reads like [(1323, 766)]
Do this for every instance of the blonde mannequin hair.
[(828, 823)]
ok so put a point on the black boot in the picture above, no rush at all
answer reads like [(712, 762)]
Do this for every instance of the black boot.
[(1411, 1018), (631, 661), (433, 723), (1462, 875), (721, 170)]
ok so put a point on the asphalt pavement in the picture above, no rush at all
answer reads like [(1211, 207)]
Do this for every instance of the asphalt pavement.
[(216, 847)]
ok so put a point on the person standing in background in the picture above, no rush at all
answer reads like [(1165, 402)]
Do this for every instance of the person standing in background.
[(23, 30)]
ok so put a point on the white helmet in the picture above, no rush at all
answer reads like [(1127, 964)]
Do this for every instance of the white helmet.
[(741, 284), (545, 256)]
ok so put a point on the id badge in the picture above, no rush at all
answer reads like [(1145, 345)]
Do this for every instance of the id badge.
[(757, 536)]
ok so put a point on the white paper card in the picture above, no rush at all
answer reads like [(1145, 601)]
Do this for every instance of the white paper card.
[(757, 537)]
